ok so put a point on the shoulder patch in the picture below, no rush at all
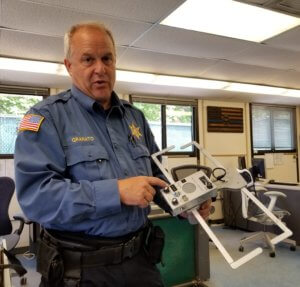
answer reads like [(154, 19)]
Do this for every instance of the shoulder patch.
[(31, 122)]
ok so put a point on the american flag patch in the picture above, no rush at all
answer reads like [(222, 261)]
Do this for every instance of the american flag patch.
[(31, 122)]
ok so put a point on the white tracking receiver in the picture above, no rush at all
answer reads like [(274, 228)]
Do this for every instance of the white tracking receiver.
[(188, 193)]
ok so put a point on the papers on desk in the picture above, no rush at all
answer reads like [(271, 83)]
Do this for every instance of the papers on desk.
[(272, 159)]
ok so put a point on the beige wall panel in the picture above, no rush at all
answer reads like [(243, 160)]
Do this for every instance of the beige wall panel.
[(224, 143)]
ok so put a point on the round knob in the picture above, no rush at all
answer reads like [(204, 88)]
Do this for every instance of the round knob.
[(174, 201), (166, 190), (209, 185)]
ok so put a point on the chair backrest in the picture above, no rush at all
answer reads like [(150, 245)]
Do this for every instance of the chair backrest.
[(183, 171), (7, 188)]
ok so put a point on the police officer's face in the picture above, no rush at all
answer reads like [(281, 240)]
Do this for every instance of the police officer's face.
[(92, 64)]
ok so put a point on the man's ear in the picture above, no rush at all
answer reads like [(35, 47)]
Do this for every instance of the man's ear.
[(68, 66)]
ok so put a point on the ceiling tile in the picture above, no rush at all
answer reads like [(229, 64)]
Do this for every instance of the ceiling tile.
[(288, 79), (31, 46), (266, 56), (289, 40), (145, 10), (36, 47), (54, 21), (171, 40), (229, 71), (159, 63)]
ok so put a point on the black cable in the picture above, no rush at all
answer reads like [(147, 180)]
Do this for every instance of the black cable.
[(219, 177)]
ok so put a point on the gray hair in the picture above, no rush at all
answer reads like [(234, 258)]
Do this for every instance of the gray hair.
[(95, 25)]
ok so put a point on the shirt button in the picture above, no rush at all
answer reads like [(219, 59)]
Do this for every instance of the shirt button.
[(115, 146), (126, 172)]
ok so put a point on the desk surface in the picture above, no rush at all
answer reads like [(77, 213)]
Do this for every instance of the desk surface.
[(281, 186)]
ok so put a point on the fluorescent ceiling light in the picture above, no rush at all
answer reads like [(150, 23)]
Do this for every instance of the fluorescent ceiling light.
[(231, 19), (173, 81), (33, 66), (292, 93), (148, 78), (189, 82), (255, 89), (135, 77)]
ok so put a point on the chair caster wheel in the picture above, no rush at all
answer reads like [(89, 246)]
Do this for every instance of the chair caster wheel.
[(241, 249), (272, 254), (293, 248)]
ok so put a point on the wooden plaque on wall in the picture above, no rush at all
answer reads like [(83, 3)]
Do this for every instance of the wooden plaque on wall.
[(224, 119)]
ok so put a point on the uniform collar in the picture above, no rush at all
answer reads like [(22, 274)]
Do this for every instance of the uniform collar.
[(91, 105)]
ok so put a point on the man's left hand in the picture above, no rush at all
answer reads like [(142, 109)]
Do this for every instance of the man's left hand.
[(204, 210)]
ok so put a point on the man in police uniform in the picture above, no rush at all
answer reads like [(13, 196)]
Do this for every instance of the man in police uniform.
[(84, 173)]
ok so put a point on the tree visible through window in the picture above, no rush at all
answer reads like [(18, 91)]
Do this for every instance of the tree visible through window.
[(179, 125), (12, 109), (170, 124)]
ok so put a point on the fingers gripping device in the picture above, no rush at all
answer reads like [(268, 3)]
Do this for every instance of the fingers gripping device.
[(187, 194)]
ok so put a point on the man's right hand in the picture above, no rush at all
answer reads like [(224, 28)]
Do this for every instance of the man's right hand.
[(139, 190)]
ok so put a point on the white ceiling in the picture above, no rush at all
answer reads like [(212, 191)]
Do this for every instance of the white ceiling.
[(34, 29)]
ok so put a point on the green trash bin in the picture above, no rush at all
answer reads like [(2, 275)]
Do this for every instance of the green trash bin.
[(179, 252)]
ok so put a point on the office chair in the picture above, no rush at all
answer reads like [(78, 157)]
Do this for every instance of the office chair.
[(256, 215), (183, 171), (202, 240), (7, 187)]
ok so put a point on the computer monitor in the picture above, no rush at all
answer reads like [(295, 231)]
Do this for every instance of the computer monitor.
[(241, 162), (258, 168)]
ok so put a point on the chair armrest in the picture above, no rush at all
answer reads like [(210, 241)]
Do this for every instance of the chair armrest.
[(23, 220), (275, 193), (260, 188)]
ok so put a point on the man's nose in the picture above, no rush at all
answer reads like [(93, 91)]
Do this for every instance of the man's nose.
[(100, 67)]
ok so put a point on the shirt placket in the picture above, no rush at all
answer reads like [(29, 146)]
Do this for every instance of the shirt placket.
[(119, 136)]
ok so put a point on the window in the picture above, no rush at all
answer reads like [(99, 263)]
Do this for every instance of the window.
[(14, 103), (273, 128), (171, 124)]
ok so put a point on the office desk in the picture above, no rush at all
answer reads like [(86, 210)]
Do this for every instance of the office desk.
[(290, 203), (233, 213)]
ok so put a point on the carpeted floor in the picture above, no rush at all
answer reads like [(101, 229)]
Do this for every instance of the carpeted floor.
[(262, 271)]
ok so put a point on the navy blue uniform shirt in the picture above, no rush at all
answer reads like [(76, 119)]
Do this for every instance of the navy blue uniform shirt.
[(67, 169)]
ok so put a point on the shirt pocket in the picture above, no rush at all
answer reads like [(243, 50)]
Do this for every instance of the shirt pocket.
[(142, 159), (87, 162)]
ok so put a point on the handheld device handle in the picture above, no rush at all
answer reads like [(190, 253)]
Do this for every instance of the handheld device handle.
[(161, 167), (226, 255)]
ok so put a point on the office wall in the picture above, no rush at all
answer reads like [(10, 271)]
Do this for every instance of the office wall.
[(225, 147)]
